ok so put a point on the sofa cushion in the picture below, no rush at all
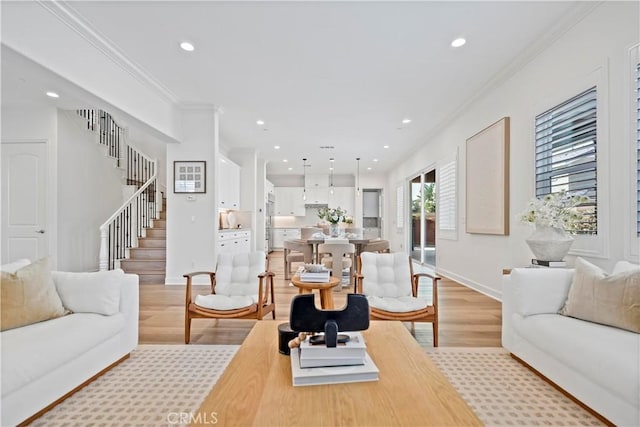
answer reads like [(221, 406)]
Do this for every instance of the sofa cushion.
[(29, 296), (607, 356), (97, 292), (14, 266), (35, 350), (540, 290), (597, 297)]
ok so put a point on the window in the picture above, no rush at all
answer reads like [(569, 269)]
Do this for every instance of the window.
[(566, 153)]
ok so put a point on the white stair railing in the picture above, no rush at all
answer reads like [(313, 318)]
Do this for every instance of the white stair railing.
[(122, 230)]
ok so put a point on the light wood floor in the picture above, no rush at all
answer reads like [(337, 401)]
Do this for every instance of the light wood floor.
[(467, 318)]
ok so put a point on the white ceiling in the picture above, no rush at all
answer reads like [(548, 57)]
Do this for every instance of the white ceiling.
[(341, 74)]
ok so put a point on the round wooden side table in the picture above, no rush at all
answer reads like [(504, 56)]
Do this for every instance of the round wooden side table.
[(326, 294)]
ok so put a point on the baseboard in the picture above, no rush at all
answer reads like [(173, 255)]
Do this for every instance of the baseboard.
[(41, 412), (563, 391), (485, 290)]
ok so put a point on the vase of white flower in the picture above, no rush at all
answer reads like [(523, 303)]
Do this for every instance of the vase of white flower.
[(334, 216), (553, 215)]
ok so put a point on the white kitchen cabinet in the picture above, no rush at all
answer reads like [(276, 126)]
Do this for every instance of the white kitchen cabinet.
[(317, 196), (316, 181), (281, 234), (289, 201), (229, 185), (234, 242), (343, 197)]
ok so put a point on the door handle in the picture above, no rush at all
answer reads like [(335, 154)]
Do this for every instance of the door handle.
[(40, 231)]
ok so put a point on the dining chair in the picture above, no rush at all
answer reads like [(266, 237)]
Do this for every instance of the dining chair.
[(295, 252), (376, 246), (391, 287), (241, 288), (337, 257)]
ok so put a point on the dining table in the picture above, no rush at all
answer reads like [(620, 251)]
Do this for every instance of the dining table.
[(358, 241)]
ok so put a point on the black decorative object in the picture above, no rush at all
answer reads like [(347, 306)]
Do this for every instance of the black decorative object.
[(306, 317), (285, 334)]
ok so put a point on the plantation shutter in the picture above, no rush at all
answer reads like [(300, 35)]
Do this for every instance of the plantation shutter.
[(566, 153), (638, 150), (447, 196)]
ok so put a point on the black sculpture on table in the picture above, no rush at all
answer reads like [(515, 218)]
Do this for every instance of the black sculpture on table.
[(306, 317)]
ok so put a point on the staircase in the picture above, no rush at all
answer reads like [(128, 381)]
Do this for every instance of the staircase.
[(148, 260)]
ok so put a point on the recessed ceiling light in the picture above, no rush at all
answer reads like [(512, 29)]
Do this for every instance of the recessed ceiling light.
[(375, 160), (285, 160), (189, 47), (259, 122), (458, 42), (386, 146), (277, 147), (53, 95), (405, 121)]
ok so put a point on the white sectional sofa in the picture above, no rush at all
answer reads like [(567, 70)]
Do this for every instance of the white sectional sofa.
[(44, 361), (598, 365)]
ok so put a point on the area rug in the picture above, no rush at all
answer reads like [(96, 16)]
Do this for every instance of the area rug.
[(162, 385), (502, 392), (159, 385)]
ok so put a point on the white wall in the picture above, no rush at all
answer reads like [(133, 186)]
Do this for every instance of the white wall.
[(594, 51), (89, 191), (192, 218)]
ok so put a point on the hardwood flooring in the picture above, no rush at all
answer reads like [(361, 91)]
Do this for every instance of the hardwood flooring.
[(467, 318)]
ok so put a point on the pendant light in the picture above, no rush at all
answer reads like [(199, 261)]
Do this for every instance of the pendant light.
[(358, 176), (304, 176), (331, 175)]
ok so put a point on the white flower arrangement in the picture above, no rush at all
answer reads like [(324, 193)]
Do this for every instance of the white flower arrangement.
[(333, 215), (557, 210)]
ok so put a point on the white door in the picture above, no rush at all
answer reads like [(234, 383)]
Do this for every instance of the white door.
[(24, 210)]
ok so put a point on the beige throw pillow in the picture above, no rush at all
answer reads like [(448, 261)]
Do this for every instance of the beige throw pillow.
[(612, 300), (29, 296)]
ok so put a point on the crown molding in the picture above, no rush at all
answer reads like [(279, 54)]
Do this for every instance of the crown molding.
[(63, 11)]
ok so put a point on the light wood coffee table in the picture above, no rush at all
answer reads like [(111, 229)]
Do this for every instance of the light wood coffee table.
[(256, 387), (325, 288)]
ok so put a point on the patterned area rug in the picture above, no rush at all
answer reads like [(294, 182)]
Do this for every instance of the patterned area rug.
[(161, 385), (502, 392)]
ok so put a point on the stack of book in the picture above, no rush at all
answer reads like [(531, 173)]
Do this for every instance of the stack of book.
[(551, 264), (313, 364), (320, 277)]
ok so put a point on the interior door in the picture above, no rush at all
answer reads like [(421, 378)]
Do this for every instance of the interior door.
[(24, 209)]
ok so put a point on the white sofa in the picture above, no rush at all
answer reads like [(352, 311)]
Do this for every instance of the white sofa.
[(45, 361), (598, 365)]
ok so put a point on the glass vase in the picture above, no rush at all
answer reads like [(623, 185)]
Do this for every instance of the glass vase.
[(334, 230)]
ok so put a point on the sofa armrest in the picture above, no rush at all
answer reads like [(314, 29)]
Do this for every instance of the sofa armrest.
[(539, 290), (130, 308)]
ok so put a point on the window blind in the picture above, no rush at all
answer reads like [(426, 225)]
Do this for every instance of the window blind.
[(566, 153), (447, 196)]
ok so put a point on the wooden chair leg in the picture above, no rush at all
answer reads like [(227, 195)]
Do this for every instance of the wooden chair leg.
[(435, 334), (187, 329)]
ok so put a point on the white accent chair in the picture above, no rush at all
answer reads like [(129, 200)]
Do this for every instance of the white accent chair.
[(391, 287), (241, 288)]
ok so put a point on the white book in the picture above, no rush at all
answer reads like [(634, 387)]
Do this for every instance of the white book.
[(314, 362), (354, 348), (331, 375), (322, 277)]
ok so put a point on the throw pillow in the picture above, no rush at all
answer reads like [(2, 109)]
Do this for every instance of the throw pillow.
[(612, 300), (96, 292), (29, 296)]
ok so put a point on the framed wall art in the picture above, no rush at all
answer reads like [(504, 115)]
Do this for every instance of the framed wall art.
[(189, 177), (487, 180)]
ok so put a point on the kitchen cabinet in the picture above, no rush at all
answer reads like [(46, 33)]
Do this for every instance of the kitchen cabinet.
[(317, 196), (316, 181), (281, 234), (234, 242), (229, 185), (343, 197), (289, 201)]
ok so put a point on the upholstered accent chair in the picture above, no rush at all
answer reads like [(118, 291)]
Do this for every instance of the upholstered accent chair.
[(391, 287), (241, 288)]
